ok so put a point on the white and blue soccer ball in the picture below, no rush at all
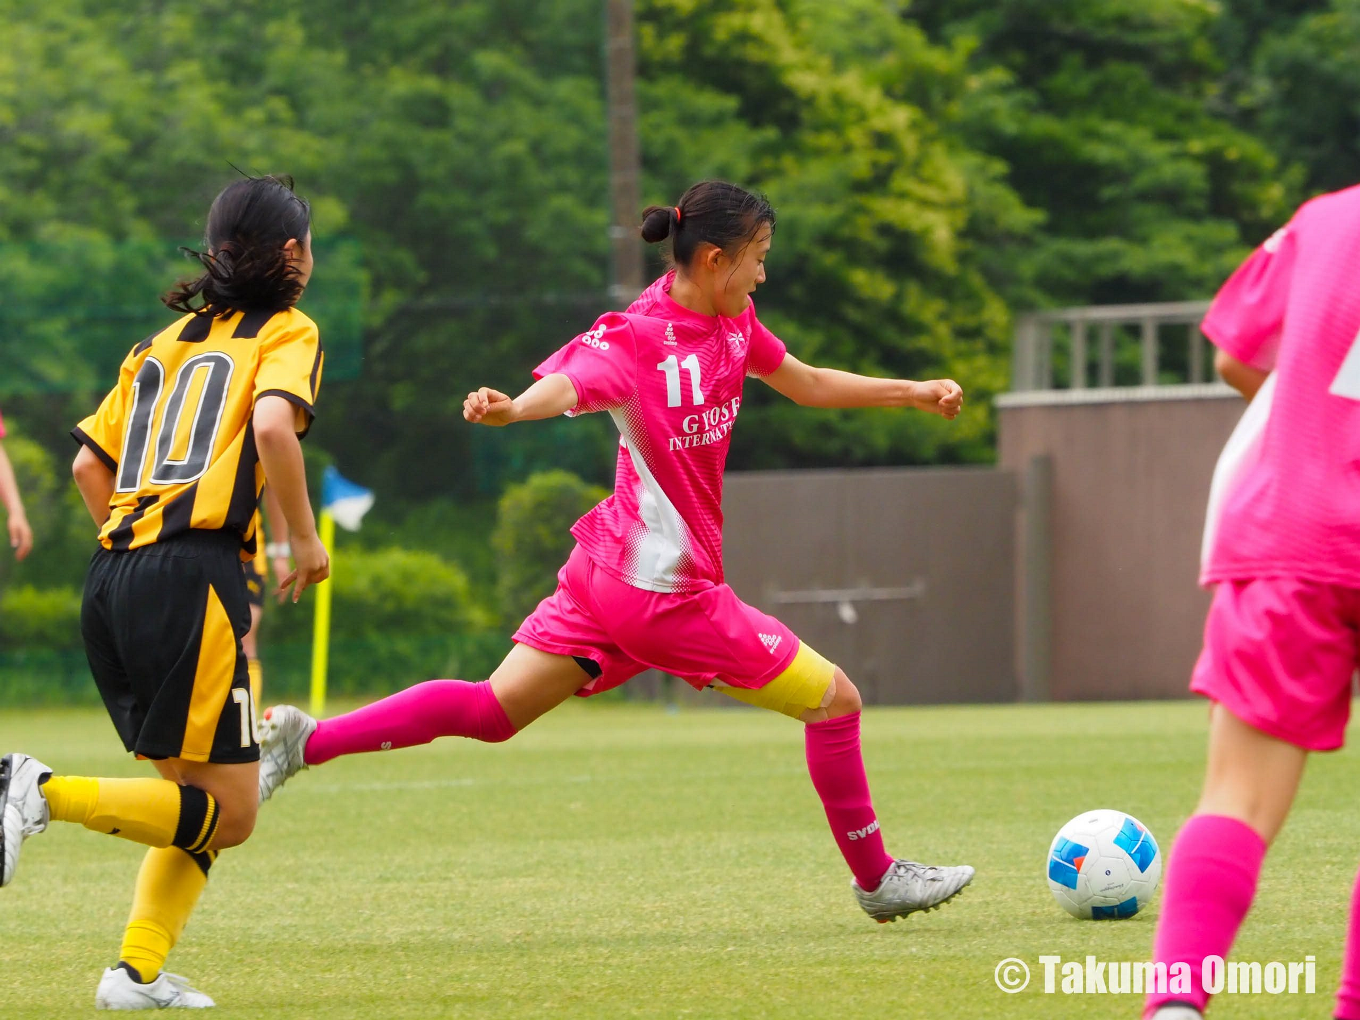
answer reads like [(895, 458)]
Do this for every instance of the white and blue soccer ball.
[(1104, 865)]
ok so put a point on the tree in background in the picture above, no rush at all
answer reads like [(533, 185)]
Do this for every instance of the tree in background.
[(937, 165), (533, 537)]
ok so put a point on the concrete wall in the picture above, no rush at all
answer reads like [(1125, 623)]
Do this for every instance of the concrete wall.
[(932, 551), (1130, 480)]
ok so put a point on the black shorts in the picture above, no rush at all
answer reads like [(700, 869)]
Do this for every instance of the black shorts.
[(254, 584), (162, 626)]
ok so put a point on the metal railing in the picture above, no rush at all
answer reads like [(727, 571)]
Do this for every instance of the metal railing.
[(1111, 345)]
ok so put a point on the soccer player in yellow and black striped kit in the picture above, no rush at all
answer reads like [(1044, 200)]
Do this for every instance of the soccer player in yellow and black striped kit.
[(171, 466)]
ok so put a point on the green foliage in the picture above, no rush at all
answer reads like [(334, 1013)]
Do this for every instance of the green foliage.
[(399, 616), (836, 112), (1108, 115), (533, 537), (937, 165), (1306, 94), (384, 590), (63, 534), (39, 618)]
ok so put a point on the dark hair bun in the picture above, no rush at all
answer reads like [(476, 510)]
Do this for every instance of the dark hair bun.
[(656, 223), (710, 212)]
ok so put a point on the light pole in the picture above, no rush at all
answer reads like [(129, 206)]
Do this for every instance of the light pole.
[(625, 189)]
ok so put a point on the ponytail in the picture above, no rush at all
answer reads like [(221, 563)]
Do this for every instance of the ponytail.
[(245, 265)]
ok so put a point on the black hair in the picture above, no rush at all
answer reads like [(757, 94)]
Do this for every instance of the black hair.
[(244, 265), (716, 212)]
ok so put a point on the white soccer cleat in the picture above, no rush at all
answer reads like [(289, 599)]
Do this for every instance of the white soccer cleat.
[(1178, 1011), (286, 732), (23, 808), (117, 990), (907, 887)]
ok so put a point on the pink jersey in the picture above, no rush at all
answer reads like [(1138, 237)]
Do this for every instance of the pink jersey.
[(1287, 499), (672, 380)]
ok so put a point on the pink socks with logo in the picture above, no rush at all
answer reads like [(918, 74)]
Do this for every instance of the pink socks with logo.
[(1210, 883), (417, 715), (837, 769)]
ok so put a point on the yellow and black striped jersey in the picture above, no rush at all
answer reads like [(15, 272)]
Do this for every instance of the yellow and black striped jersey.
[(177, 431)]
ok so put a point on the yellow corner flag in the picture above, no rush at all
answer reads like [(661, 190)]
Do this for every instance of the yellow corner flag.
[(321, 628), (344, 502)]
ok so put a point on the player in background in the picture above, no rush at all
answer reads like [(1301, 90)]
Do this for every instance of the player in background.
[(170, 467), (644, 586), (20, 534), (1282, 550), (270, 551)]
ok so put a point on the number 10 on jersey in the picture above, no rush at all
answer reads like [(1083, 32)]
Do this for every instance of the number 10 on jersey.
[(671, 366)]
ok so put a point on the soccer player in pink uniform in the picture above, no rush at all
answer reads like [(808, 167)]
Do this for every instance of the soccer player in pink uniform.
[(1282, 548), (644, 586)]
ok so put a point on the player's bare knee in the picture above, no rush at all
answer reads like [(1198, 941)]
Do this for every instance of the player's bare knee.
[(235, 825), (845, 699)]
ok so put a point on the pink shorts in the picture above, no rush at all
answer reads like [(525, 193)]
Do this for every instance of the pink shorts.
[(1280, 654), (699, 636)]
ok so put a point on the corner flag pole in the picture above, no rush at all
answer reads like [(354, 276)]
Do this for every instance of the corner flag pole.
[(343, 503), (321, 629)]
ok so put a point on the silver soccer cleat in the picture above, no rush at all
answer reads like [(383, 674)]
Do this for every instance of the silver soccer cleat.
[(23, 808), (286, 732), (907, 887), (117, 990)]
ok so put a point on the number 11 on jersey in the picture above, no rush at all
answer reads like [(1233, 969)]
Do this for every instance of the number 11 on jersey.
[(671, 366)]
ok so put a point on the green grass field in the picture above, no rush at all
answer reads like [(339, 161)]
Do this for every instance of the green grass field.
[(619, 861)]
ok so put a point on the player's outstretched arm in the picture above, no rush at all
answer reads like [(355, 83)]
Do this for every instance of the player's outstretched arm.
[(830, 387), (95, 482), (275, 421), (552, 395)]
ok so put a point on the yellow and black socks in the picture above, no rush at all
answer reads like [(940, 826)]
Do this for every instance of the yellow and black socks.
[(168, 887), (155, 812)]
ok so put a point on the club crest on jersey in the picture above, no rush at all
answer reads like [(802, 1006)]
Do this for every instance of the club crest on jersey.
[(670, 340), (736, 340)]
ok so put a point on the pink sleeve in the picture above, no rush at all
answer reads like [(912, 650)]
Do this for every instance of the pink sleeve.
[(601, 363), (2, 427), (767, 351), (1247, 314)]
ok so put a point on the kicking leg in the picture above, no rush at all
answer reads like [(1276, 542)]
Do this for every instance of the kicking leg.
[(527, 684), (211, 808), (886, 888), (1213, 865), (835, 763)]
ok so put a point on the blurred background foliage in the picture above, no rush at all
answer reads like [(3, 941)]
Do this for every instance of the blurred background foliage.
[(937, 165)]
